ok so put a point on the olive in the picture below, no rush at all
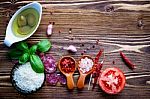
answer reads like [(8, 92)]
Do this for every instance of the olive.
[(24, 30), (22, 21), (31, 19)]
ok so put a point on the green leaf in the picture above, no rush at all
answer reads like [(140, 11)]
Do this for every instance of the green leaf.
[(22, 46), (24, 58), (14, 54), (33, 49), (44, 45), (36, 64)]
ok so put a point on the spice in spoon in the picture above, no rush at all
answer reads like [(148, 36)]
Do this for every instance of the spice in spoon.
[(67, 65), (86, 64)]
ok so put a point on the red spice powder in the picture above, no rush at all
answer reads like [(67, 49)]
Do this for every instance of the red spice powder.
[(67, 65)]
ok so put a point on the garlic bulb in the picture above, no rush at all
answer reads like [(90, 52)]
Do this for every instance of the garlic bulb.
[(72, 48)]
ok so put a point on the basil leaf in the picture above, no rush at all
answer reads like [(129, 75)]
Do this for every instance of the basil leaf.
[(36, 64), (44, 45), (24, 58), (33, 49), (22, 46), (14, 54)]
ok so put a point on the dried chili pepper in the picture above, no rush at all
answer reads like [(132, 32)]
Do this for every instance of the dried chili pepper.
[(98, 67), (126, 60), (96, 74)]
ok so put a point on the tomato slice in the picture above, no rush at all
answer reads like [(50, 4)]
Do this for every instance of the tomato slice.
[(112, 80)]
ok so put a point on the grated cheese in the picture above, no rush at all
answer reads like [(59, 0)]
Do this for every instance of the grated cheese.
[(27, 79)]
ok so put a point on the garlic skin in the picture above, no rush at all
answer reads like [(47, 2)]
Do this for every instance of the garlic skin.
[(49, 29), (72, 48)]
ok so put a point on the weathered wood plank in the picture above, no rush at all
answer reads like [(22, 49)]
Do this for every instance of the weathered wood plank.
[(118, 25)]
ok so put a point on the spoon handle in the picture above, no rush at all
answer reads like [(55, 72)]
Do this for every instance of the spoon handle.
[(81, 80), (70, 82)]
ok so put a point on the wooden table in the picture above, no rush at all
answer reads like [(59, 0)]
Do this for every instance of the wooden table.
[(114, 25)]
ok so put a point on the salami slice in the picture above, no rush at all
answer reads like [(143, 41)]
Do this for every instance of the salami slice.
[(62, 79), (49, 63), (52, 79)]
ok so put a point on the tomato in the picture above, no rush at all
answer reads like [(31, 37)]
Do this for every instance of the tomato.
[(112, 80)]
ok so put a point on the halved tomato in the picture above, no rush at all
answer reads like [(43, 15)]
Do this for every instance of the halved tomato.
[(112, 80)]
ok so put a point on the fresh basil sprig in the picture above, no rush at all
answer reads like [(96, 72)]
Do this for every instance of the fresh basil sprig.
[(36, 64), (44, 45), (24, 58), (23, 46), (15, 54), (25, 54), (33, 49)]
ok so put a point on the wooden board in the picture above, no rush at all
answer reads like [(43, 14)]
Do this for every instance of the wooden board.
[(118, 25)]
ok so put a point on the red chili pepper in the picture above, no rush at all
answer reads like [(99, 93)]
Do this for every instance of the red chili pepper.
[(96, 74), (98, 56), (98, 67), (126, 60)]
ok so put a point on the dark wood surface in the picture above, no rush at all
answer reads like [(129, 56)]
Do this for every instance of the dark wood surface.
[(119, 25)]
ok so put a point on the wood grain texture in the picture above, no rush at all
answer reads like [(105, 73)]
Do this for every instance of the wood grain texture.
[(118, 25)]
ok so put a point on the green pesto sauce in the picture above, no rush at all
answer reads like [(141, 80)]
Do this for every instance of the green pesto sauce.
[(15, 26)]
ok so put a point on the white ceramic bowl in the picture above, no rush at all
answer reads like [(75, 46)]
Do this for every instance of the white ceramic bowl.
[(10, 37)]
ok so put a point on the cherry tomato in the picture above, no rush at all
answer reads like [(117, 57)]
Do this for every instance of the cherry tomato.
[(112, 80)]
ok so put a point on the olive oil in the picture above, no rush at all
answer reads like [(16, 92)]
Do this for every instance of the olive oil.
[(25, 22)]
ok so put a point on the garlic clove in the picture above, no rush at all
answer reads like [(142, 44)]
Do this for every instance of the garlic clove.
[(72, 48), (49, 29)]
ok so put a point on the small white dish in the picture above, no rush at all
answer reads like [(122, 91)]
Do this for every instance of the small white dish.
[(10, 37)]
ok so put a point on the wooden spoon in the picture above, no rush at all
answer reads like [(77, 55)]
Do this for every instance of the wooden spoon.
[(66, 71), (81, 80)]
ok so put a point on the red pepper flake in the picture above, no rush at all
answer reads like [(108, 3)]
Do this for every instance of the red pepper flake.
[(67, 65), (126, 60)]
